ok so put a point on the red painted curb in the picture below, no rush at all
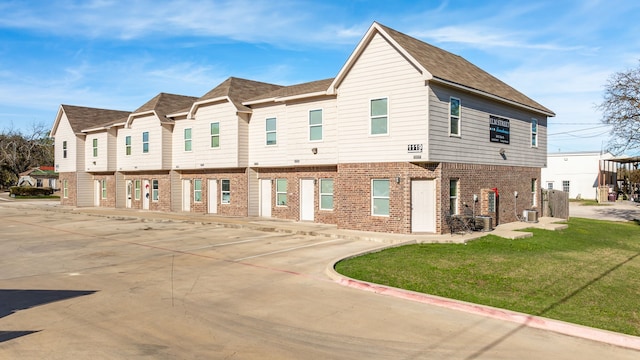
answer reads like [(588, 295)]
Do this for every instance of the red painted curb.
[(585, 332)]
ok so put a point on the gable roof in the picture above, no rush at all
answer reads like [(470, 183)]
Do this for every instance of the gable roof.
[(238, 90), (81, 117), (308, 89), (446, 68), (163, 104)]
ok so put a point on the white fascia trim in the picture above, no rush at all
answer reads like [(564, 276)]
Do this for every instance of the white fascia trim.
[(133, 116), (259, 101), (491, 96), (301, 96), (197, 104), (366, 39)]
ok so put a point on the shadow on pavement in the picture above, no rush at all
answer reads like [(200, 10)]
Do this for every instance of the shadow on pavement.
[(12, 300)]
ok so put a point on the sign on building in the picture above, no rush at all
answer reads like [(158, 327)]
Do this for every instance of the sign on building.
[(498, 129)]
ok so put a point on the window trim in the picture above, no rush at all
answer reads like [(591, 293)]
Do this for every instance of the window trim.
[(223, 191), (65, 189), (267, 132), (64, 149), (321, 125), (278, 192), (197, 190), (534, 192), (534, 132), (454, 200), (95, 147), (137, 189), (568, 185), (371, 117), (155, 190), (103, 186), (214, 135), (127, 145), (323, 194), (458, 117), (145, 144), (374, 197), (188, 142)]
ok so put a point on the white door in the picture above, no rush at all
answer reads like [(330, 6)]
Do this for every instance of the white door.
[(98, 193), (186, 195), (423, 206), (146, 189), (265, 197), (212, 188), (129, 193), (307, 198)]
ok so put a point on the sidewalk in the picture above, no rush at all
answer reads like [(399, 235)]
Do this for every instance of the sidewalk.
[(513, 230)]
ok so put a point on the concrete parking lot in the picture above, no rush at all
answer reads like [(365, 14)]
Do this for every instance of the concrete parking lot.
[(77, 285)]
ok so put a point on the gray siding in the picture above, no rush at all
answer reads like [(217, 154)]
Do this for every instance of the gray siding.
[(85, 190), (473, 146), (253, 184)]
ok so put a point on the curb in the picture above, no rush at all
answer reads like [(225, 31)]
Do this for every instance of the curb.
[(532, 321)]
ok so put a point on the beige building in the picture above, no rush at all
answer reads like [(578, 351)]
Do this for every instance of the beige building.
[(405, 135)]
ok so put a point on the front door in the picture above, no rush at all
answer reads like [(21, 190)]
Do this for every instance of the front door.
[(423, 206), (146, 189), (265, 197), (307, 198), (186, 195), (129, 193), (212, 188), (97, 192)]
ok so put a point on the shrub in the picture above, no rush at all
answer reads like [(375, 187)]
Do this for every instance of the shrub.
[(30, 191)]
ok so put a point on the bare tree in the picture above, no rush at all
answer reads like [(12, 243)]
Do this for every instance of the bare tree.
[(621, 110), (20, 152)]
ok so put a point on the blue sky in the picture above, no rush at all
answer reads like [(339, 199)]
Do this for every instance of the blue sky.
[(119, 54)]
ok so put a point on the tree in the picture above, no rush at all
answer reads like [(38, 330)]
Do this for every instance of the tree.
[(20, 152), (621, 110)]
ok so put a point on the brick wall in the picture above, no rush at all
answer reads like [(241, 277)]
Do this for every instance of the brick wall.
[(71, 179), (164, 190), (110, 200), (293, 175), (353, 192), (238, 204)]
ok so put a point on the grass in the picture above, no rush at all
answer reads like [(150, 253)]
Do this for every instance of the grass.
[(588, 274), (41, 197)]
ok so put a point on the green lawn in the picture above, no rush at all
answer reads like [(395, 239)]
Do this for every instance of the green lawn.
[(588, 274)]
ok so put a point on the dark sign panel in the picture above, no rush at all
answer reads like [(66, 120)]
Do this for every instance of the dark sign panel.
[(498, 129)]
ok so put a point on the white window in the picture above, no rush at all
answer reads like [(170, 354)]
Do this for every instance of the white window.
[(104, 188), (225, 191), (137, 186), (95, 147), (379, 116), (281, 192), (565, 185), (534, 133), (453, 196), (187, 139), (550, 185), (127, 145), (155, 190), (64, 149), (454, 116), (380, 197), (491, 199), (270, 129), (534, 192), (197, 190), (145, 142), (326, 194), (215, 135), (315, 125), (65, 188)]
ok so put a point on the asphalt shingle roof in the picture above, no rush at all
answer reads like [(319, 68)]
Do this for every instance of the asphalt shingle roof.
[(298, 89), (164, 104), (81, 117), (453, 68), (239, 90)]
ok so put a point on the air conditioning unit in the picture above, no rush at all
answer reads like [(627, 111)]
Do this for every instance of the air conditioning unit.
[(530, 216)]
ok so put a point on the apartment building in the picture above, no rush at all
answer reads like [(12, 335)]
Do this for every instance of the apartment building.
[(404, 135)]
